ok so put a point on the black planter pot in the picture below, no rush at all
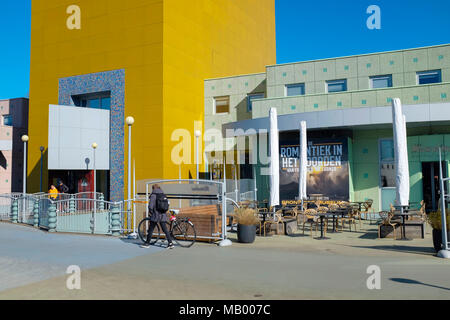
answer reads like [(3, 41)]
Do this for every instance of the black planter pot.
[(246, 234), (437, 239)]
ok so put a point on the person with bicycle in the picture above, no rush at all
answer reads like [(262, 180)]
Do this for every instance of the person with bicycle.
[(158, 206)]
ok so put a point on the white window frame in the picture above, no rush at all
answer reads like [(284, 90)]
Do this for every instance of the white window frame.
[(215, 105), (300, 84), (328, 82), (7, 116), (428, 72), (254, 95), (388, 76)]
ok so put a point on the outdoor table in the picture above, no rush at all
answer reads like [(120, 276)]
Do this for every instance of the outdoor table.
[(335, 213), (322, 215), (404, 214), (264, 214)]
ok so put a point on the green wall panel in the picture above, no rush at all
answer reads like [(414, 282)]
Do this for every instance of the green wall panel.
[(365, 151), (391, 63), (369, 97), (428, 147), (413, 149), (351, 169), (415, 181)]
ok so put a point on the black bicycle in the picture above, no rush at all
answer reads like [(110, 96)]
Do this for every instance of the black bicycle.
[(181, 230)]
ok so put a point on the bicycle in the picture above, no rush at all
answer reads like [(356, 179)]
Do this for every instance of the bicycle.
[(181, 230)]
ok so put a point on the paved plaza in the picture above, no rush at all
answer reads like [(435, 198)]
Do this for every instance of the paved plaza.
[(33, 265)]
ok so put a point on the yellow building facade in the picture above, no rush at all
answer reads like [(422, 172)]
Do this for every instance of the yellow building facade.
[(164, 50)]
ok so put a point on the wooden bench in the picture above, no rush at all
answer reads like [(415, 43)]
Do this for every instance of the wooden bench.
[(206, 219)]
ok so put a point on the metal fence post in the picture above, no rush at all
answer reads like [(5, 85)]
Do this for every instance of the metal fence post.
[(52, 217), (115, 219), (72, 204), (15, 211), (36, 213), (101, 205)]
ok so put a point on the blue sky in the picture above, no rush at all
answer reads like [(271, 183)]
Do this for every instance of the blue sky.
[(306, 30)]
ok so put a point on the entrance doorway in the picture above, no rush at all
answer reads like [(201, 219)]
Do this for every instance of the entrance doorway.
[(430, 182), (81, 180)]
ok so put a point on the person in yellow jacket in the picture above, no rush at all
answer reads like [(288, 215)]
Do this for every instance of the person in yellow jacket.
[(53, 193)]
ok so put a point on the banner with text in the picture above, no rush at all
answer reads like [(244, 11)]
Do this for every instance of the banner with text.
[(327, 169)]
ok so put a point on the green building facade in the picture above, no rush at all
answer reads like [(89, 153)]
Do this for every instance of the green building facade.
[(348, 99)]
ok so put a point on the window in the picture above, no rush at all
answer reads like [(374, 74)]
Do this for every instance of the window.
[(387, 166), (378, 82), (336, 85), (98, 100), (252, 97), (8, 120), (297, 89), (425, 77), (222, 105), (387, 150)]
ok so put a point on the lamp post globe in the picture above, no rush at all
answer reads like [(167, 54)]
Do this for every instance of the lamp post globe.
[(94, 145), (129, 121), (25, 138)]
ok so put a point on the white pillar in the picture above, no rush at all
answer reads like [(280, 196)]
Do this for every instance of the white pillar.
[(94, 146), (25, 139), (197, 135)]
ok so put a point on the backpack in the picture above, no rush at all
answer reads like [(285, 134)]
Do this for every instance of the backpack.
[(64, 188), (161, 203)]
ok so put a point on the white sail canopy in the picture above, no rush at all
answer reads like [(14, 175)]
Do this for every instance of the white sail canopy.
[(302, 163), (274, 159), (400, 153)]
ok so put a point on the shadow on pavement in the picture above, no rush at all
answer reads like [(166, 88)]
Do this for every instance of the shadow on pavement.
[(138, 242), (410, 281), (397, 248)]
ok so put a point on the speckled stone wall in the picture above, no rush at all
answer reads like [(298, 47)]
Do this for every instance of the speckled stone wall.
[(113, 81)]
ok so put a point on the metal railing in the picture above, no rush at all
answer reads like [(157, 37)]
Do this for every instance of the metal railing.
[(5, 207), (248, 196), (84, 216), (26, 206)]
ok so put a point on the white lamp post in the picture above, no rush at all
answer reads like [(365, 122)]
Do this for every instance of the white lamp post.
[(94, 146), (197, 135), (130, 121), (25, 139)]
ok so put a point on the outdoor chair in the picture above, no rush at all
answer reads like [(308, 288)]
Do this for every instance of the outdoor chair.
[(343, 204), (310, 216), (356, 213), (421, 214), (277, 220), (387, 221), (368, 211), (292, 214), (350, 218), (419, 219)]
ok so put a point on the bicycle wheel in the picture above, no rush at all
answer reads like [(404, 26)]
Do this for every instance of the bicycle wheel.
[(143, 230), (183, 233)]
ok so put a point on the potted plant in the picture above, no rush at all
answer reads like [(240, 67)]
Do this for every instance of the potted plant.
[(435, 221), (247, 220)]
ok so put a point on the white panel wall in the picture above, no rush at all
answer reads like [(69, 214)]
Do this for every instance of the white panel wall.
[(71, 132)]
